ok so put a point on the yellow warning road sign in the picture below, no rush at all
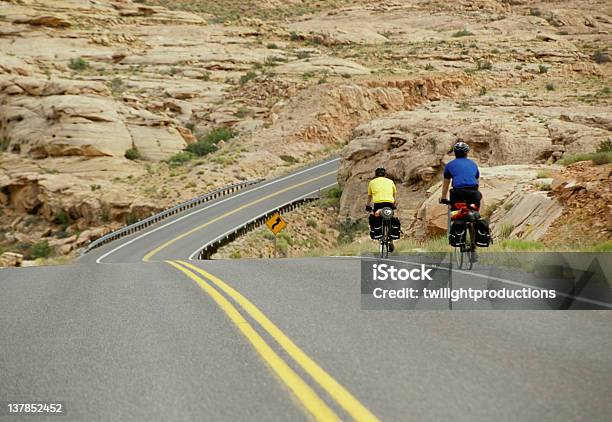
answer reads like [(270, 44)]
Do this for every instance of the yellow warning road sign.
[(275, 223)]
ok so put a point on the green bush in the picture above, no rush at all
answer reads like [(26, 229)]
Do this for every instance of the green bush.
[(293, 36), (62, 218), (208, 143), (250, 75), (181, 157), (288, 158), (4, 144), (550, 86), (462, 33), (604, 146), (311, 222), (272, 46), (41, 250), (132, 154), (282, 246), (78, 64), (219, 134), (542, 68), (349, 228), (201, 148)]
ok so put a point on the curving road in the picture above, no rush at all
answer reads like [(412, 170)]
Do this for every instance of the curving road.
[(116, 338)]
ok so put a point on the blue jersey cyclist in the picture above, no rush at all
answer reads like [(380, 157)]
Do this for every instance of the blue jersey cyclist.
[(464, 175)]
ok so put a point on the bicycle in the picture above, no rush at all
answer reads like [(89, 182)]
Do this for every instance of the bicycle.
[(387, 214), (465, 252)]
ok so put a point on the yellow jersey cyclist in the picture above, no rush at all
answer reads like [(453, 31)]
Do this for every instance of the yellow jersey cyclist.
[(381, 193)]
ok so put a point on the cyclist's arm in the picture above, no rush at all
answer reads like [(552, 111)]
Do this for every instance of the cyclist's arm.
[(445, 186), (369, 200)]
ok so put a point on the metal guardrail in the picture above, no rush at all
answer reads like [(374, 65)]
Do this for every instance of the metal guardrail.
[(211, 247), (146, 222)]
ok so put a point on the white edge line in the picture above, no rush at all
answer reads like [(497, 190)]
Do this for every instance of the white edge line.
[(272, 182), (270, 210), (489, 277)]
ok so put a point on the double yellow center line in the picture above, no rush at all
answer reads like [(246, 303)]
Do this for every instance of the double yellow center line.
[(213, 286)]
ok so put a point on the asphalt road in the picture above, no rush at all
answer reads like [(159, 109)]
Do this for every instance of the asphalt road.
[(285, 339)]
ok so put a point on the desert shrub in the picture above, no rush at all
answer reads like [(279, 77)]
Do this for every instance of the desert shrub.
[(235, 255), (604, 146), (288, 159), (250, 75), (206, 76), (332, 198), (463, 33), (272, 46), (303, 55), (483, 65), (311, 222), (535, 11), (219, 134), (506, 230), (282, 246), (349, 228), (201, 148), (601, 57), (242, 112), (117, 86), (78, 64), (293, 36), (181, 157), (208, 142), (542, 174), (483, 90), (598, 158), (62, 218), (132, 154), (429, 66), (542, 68), (4, 144), (41, 249), (550, 86)]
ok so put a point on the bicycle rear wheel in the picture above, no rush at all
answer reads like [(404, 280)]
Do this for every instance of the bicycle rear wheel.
[(384, 242)]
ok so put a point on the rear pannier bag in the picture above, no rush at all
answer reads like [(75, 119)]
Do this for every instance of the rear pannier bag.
[(482, 234), (376, 230), (396, 229), (457, 234)]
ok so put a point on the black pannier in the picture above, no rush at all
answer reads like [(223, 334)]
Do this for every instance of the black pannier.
[(396, 229), (376, 229), (457, 234), (482, 233)]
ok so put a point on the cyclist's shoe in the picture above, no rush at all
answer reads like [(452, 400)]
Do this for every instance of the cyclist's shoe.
[(391, 246)]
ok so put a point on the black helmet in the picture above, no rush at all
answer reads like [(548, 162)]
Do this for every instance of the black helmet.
[(461, 148), (380, 172)]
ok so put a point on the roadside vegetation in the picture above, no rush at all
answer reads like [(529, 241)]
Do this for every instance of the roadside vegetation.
[(602, 155), (206, 144)]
